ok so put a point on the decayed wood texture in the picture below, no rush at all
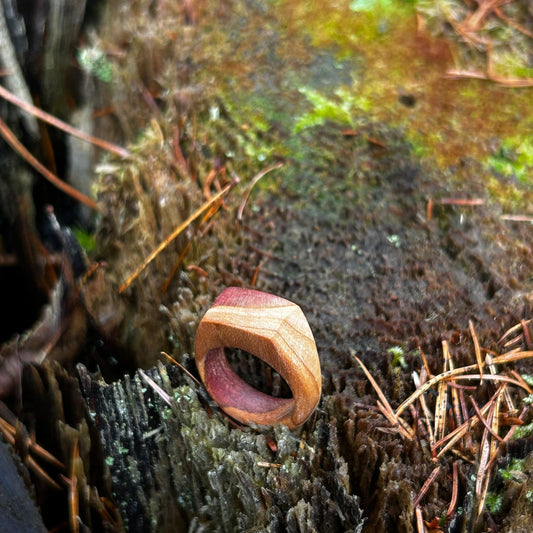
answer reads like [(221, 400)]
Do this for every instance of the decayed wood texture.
[(14, 79), (177, 466), (64, 19)]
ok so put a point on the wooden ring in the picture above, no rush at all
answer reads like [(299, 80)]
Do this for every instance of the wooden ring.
[(275, 331)]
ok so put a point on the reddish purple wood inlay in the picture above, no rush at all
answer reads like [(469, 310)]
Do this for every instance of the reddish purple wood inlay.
[(238, 297), (228, 389)]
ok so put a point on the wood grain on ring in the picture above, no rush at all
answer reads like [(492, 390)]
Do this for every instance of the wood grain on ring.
[(275, 331)]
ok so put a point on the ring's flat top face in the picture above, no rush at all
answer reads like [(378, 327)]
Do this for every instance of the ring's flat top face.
[(272, 329)]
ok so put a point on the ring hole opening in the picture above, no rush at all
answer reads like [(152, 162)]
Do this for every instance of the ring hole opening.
[(257, 373)]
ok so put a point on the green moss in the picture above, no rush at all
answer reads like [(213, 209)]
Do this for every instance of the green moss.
[(338, 109), (87, 240), (398, 357), (508, 195), (370, 5), (523, 431), (384, 8), (494, 502), (528, 400), (515, 465), (394, 240), (94, 60), (528, 378), (515, 157)]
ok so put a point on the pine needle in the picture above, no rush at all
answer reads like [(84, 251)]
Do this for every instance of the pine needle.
[(67, 128), (420, 527), (455, 491), (484, 452), (425, 487), (427, 414), (514, 329), (385, 406), (155, 387), (173, 236), (12, 140), (255, 179), (477, 349), (182, 367)]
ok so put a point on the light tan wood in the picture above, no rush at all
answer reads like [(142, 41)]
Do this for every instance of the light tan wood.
[(274, 330)]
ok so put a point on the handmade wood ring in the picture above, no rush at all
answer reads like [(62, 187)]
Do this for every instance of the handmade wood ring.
[(273, 330)]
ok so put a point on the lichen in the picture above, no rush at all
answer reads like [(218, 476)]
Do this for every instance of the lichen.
[(200, 470)]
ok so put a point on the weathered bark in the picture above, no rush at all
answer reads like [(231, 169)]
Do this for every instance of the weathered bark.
[(175, 467)]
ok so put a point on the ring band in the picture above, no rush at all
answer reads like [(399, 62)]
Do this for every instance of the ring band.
[(272, 329)]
